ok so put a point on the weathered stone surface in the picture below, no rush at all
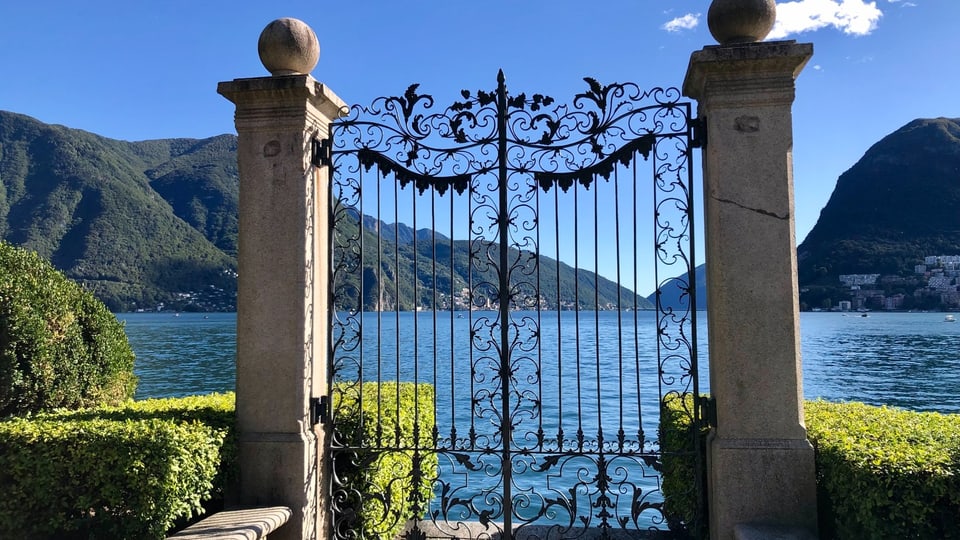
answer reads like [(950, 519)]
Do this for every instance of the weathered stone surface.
[(288, 47), (282, 265), (741, 21), (760, 465), (241, 524), (772, 532)]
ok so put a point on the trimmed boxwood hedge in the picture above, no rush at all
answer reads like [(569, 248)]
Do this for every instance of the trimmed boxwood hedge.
[(140, 469), (115, 472), (377, 491), (882, 473), (59, 346)]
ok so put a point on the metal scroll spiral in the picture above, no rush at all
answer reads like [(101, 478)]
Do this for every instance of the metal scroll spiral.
[(501, 151)]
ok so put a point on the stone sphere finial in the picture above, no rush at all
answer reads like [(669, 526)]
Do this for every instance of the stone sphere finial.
[(741, 21), (288, 47)]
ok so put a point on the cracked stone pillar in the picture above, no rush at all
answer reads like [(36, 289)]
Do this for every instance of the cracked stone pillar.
[(282, 288), (760, 464)]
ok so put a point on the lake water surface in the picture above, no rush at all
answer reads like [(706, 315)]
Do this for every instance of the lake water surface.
[(909, 360)]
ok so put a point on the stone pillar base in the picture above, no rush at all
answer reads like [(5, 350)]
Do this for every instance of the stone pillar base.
[(281, 467), (760, 481)]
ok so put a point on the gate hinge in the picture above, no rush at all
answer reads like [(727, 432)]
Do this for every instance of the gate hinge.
[(320, 152), (698, 132), (708, 411), (319, 410)]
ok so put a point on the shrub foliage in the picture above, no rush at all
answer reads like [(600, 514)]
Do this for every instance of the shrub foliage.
[(882, 473), (59, 346), (378, 488), (885, 473), (122, 472), (681, 505)]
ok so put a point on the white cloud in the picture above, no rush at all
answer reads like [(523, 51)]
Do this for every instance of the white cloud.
[(687, 22), (853, 17)]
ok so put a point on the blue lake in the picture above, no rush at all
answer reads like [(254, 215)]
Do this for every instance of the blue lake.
[(910, 360)]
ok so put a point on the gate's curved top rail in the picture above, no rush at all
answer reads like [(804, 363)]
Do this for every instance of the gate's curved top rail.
[(442, 148)]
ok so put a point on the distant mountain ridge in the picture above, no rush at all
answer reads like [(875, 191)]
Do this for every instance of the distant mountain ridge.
[(899, 203), (153, 224), (138, 223)]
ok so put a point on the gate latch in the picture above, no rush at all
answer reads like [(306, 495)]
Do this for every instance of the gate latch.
[(319, 410)]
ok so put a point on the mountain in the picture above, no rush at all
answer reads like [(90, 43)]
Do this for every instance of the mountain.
[(899, 203), (154, 223), (382, 290), (125, 219), (673, 293)]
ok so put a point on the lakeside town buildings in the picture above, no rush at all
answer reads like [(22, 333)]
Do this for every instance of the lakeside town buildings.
[(935, 282)]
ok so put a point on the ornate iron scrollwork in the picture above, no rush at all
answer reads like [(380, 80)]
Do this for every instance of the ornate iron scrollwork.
[(524, 442)]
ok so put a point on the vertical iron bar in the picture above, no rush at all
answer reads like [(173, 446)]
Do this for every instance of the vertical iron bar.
[(576, 313), (379, 218), (359, 311), (396, 326), (636, 313), (616, 227), (556, 229), (539, 322), (695, 370), (505, 293), (453, 348), (416, 331), (596, 301), (433, 243), (656, 278), (472, 434)]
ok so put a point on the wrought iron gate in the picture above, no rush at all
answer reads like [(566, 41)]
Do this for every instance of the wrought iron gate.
[(494, 373)]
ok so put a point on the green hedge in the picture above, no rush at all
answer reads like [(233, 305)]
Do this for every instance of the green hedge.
[(678, 466), (140, 469), (120, 472), (377, 489), (59, 346), (882, 473)]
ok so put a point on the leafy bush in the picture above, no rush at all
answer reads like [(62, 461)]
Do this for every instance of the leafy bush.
[(114, 472), (681, 506), (378, 488), (59, 346), (884, 472)]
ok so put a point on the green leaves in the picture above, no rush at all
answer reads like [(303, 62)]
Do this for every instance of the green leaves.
[(380, 488), (59, 346), (136, 223), (885, 472), (882, 473), (114, 472)]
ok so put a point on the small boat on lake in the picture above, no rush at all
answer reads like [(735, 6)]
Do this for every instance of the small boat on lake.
[(949, 318)]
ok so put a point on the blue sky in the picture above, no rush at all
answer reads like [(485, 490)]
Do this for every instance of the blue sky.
[(138, 69)]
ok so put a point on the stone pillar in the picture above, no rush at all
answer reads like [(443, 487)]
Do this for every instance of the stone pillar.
[(283, 262), (760, 464)]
